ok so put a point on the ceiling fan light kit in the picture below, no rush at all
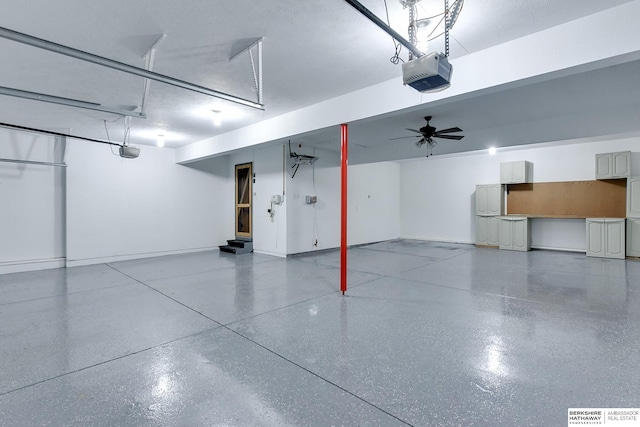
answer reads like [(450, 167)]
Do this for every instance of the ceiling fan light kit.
[(428, 132)]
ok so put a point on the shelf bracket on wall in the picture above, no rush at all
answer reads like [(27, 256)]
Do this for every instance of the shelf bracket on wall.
[(256, 70)]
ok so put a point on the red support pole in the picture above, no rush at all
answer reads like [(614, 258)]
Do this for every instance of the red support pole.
[(344, 151)]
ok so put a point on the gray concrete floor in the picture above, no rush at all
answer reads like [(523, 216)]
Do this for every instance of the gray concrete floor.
[(428, 334)]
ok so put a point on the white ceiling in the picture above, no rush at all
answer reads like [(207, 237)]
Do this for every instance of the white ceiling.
[(313, 51)]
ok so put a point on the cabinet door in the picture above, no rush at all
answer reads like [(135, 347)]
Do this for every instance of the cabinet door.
[(633, 237), (615, 237), (506, 174), (633, 197), (482, 230), (603, 166), (493, 234), (518, 172), (482, 200), (494, 193), (520, 237), (595, 238), (621, 164), (506, 234)]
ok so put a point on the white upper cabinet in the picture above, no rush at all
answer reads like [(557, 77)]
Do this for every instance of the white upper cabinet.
[(489, 200), (515, 172), (613, 165), (633, 197)]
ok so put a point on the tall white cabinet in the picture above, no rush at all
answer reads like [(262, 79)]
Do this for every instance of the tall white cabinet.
[(515, 233), (633, 197), (633, 217), (633, 237), (489, 206), (606, 237)]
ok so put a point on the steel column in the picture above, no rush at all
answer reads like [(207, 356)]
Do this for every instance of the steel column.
[(344, 149)]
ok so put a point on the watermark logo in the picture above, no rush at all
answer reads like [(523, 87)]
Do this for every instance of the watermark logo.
[(613, 417)]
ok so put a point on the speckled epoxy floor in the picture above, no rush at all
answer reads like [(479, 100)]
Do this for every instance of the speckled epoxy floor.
[(428, 334)]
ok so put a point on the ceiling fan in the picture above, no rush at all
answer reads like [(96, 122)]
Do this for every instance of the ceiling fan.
[(428, 132)]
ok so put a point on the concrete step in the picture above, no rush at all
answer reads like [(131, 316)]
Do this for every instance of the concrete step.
[(237, 247), (240, 243)]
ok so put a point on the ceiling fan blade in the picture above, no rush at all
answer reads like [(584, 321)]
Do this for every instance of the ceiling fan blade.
[(403, 137), (413, 130), (456, 137), (456, 129)]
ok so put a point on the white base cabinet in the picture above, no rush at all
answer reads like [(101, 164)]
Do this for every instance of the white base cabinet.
[(515, 233), (606, 237), (633, 237), (487, 230), (613, 165), (489, 199)]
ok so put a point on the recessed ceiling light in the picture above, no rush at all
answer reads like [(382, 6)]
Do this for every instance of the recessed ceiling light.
[(160, 140), (492, 150)]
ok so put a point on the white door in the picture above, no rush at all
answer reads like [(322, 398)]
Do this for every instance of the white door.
[(621, 163), (595, 238), (518, 172), (615, 237), (482, 230), (482, 200), (494, 193), (506, 175), (603, 166), (493, 234), (633, 197), (633, 237), (506, 234), (520, 235)]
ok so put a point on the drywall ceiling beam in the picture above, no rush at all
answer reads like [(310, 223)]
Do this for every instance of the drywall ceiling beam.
[(35, 96), (387, 29), (120, 66)]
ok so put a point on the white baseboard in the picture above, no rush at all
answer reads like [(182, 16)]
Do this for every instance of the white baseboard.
[(128, 257), (548, 248), (427, 239), (31, 265), (256, 251)]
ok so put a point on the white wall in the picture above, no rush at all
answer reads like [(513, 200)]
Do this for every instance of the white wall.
[(270, 232), (32, 214), (308, 223), (437, 196), (373, 204), (131, 208)]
